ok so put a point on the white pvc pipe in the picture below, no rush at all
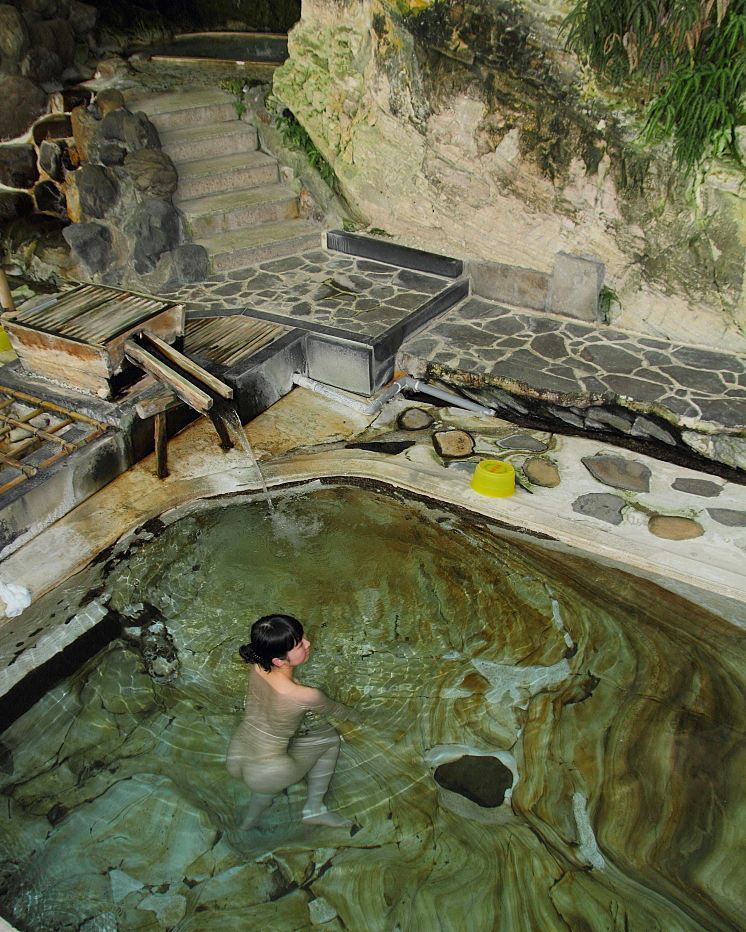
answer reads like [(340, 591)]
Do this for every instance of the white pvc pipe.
[(399, 385)]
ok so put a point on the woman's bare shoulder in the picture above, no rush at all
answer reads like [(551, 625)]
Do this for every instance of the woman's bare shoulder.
[(307, 695)]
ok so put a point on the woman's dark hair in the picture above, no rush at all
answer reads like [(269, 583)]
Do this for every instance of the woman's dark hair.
[(271, 636)]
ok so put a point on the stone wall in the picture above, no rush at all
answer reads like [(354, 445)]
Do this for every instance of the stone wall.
[(466, 129)]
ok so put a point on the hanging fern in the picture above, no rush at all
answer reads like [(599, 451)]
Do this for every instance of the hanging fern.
[(684, 59)]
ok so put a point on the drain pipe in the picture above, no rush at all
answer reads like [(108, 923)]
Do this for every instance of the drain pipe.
[(404, 383)]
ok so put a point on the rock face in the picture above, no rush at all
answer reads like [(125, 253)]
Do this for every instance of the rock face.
[(460, 128), (21, 102)]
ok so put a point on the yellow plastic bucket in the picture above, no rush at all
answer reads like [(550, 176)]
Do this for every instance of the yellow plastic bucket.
[(494, 478), (5, 344)]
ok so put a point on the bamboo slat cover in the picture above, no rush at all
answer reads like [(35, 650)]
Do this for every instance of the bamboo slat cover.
[(90, 314), (227, 340)]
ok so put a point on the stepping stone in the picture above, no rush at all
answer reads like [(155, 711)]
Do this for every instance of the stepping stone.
[(522, 442), (702, 487), (728, 516), (452, 444), (601, 505), (618, 472), (414, 419), (542, 472), (674, 528)]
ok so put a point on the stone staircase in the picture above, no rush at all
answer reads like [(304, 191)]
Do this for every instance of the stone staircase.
[(229, 193)]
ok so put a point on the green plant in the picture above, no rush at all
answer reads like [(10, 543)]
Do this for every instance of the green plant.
[(237, 87), (607, 298), (683, 60), (295, 136)]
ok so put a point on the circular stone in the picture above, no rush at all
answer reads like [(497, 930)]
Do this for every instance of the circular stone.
[(452, 444), (618, 472), (673, 528), (542, 472), (414, 419), (522, 442), (482, 779), (703, 487)]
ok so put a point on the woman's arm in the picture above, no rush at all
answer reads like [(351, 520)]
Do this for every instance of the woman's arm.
[(318, 701)]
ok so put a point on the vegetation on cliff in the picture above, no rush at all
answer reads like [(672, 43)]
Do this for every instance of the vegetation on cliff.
[(684, 59)]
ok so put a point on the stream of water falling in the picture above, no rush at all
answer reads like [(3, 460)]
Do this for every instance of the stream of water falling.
[(229, 416)]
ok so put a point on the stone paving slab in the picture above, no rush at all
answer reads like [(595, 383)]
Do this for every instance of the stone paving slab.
[(323, 291), (555, 356)]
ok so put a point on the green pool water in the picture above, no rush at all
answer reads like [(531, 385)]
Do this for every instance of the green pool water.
[(617, 707)]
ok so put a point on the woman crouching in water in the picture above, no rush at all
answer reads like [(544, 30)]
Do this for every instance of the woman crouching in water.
[(265, 751)]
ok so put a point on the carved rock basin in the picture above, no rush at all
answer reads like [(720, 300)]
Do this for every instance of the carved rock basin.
[(619, 707)]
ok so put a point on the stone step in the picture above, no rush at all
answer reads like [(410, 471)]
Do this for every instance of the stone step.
[(225, 173), (174, 110), (239, 249), (232, 210), (201, 142)]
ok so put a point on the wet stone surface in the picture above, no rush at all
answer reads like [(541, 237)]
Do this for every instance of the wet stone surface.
[(675, 528), (618, 472), (356, 296), (551, 354), (542, 471), (704, 487), (728, 516), (602, 505)]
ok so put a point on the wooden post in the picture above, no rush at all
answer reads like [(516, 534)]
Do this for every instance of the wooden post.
[(6, 298), (161, 445)]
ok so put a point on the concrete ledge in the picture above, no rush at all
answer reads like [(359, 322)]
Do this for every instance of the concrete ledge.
[(510, 284), (353, 244)]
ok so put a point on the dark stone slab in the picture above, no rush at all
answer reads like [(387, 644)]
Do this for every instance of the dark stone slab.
[(353, 244), (282, 265), (482, 779), (550, 346), (601, 505), (728, 516), (618, 472), (639, 389), (503, 326), (611, 358), (644, 427), (522, 442), (702, 359), (703, 487), (701, 381), (366, 265), (416, 281)]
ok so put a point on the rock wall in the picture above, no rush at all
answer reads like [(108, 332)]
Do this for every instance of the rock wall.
[(465, 128)]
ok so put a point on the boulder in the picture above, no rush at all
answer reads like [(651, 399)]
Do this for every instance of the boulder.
[(185, 264), (18, 166), (82, 17), (50, 159), (55, 35), (453, 444), (618, 472), (132, 131), (50, 199), (84, 128), (152, 172), (41, 64), (21, 102), (97, 191), (156, 229), (108, 100), (43, 9), (91, 243), (14, 204), (14, 36)]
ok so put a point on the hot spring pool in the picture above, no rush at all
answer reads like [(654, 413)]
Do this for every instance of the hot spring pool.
[(615, 709)]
